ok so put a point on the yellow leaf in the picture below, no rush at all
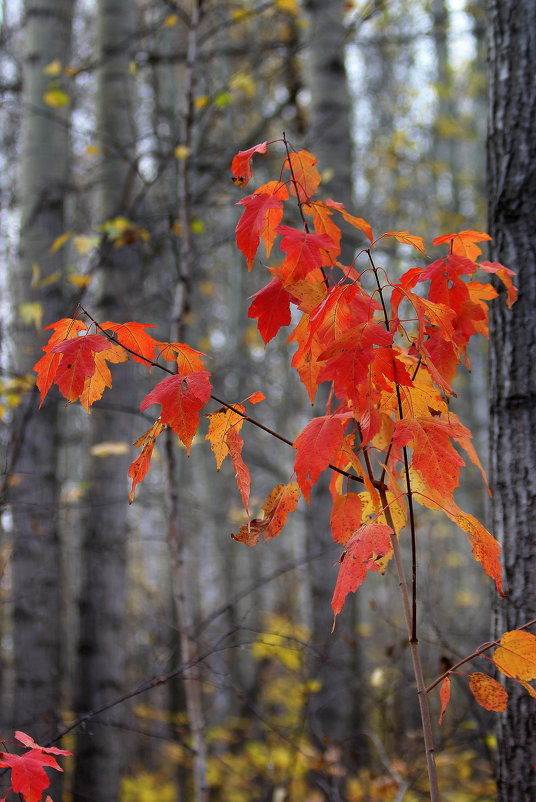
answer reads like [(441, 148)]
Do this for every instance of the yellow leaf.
[(489, 693), (32, 313), (79, 281), (84, 244), (93, 150), (170, 21), (133, 68), (51, 279), (290, 6), (60, 241), (109, 448), (36, 274), (53, 69), (182, 152), (516, 655), (56, 98), (206, 288), (197, 227), (201, 102), (243, 82)]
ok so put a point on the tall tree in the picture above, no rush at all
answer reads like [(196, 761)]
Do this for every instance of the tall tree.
[(36, 292), (512, 216), (118, 286)]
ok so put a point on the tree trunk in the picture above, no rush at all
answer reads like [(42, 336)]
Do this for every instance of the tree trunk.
[(336, 711), (44, 175), (512, 219), (99, 752)]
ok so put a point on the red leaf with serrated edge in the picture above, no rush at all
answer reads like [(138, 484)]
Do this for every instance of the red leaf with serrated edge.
[(463, 243), (305, 178), (134, 337), (315, 446), (434, 456), (241, 164), (181, 398), (504, 274), (407, 239), (356, 222), (139, 469), (305, 360), (489, 693), (323, 224), (65, 329), (345, 517), (271, 307), (305, 252), (444, 698), (343, 309), (95, 385), (282, 500), (365, 551), (187, 358), (28, 777), (28, 741), (243, 479), (77, 363), (252, 222)]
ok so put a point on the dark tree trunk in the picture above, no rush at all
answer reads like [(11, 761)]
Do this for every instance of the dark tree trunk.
[(512, 220)]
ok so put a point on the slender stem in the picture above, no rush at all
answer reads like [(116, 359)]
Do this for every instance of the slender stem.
[(415, 656)]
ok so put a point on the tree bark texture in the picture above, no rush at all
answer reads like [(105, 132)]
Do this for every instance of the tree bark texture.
[(512, 224), (44, 171), (118, 284)]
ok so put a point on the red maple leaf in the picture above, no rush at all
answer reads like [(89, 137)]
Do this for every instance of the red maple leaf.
[(305, 252), (305, 178), (315, 445), (181, 398), (28, 776), (367, 550), (133, 336), (77, 363), (241, 164), (271, 306)]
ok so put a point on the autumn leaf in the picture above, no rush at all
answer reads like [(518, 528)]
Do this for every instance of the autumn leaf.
[(29, 742), (463, 243), (241, 164), (305, 178), (504, 274), (407, 239), (254, 221), (365, 551), (64, 329), (235, 444), (219, 424), (305, 252), (28, 776), (444, 698), (345, 516), (516, 655), (134, 337), (181, 398), (280, 503), (188, 360), (489, 693), (77, 363), (356, 222), (95, 385), (271, 307), (140, 467), (315, 446)]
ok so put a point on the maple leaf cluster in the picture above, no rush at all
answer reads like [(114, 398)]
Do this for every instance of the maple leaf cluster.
[(388, 355), (28, 775)]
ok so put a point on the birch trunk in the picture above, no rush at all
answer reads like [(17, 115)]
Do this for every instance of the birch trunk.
[(99, 753), (44, 175)]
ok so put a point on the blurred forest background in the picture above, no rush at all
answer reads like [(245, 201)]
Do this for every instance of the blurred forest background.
[(183, 657)]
